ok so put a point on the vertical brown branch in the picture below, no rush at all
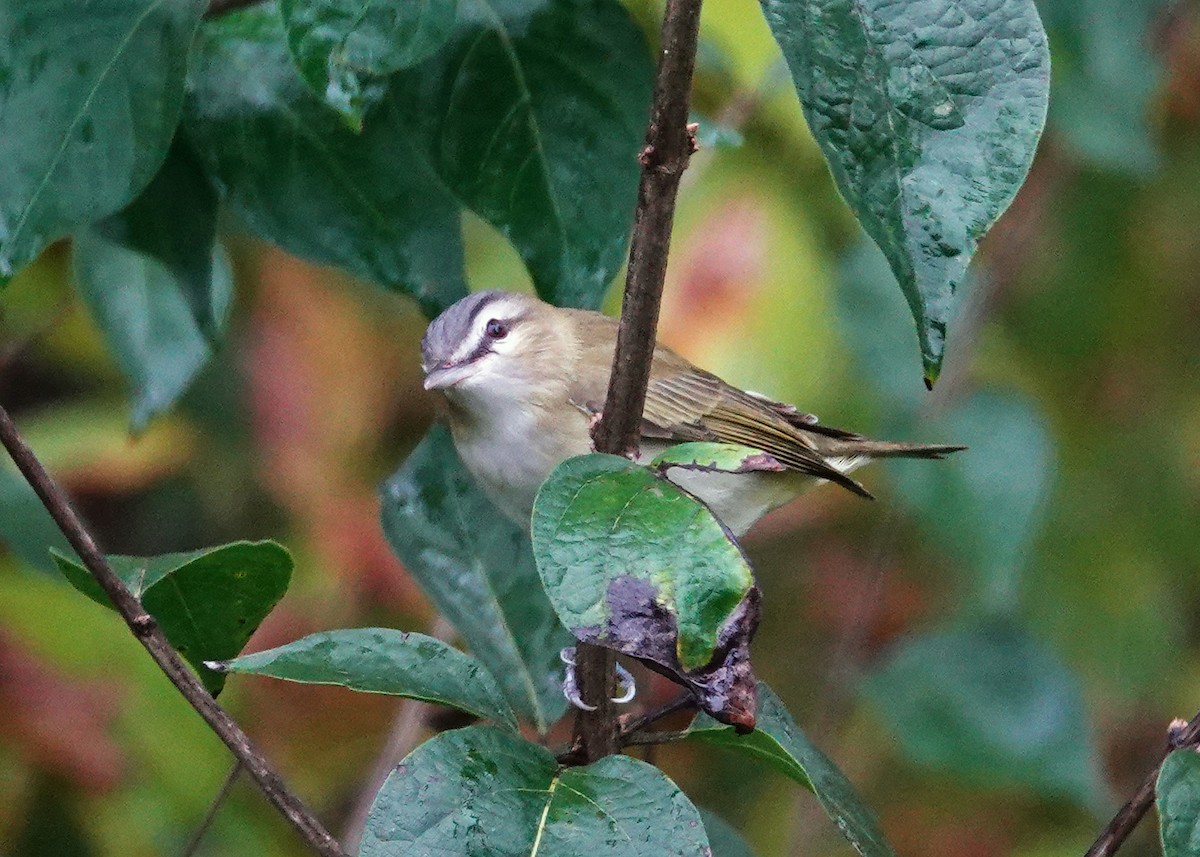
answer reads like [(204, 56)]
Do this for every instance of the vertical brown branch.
[(669, 144), (146, 630)]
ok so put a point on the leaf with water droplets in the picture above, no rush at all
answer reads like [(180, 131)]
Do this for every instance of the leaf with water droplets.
[(480, 791), (384, 660), (929, 114)]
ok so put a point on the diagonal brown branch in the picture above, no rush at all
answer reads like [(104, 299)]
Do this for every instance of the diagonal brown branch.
[(146, 630), (1131, 813), (669, 144)]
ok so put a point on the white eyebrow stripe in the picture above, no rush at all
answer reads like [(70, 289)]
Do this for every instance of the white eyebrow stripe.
[(500, 308)]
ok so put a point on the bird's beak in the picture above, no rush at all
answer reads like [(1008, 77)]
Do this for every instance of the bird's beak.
[(445, 375)]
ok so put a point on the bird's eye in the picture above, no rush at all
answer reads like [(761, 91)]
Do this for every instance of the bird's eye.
[(496, 329)]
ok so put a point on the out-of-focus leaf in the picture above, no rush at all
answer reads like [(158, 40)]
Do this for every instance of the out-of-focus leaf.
[(50, 826), (1106, 74), (345, 48), (476, 566), (929, 114), (89, 101), (778, 741), (713, 134), (174, 221), (207, 602), (719, 457), (298, 176), (481, 791), (723, 837), (26, 528), (533, 115), (984, 504), (870, 313), (155, 284), (992, 705), (1178, 792), (383, 660), (634, 563)]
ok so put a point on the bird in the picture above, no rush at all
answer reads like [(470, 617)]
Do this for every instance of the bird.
[(525, 381)]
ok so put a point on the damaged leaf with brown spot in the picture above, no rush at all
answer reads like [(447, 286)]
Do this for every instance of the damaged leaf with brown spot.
[(635, 563)]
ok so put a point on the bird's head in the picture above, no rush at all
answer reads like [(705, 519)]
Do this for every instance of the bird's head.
[(492, 345)]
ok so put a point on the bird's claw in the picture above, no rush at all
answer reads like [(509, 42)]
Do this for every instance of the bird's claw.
[(626, 685)]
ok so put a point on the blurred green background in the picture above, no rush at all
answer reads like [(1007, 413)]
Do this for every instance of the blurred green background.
[(992, 651)]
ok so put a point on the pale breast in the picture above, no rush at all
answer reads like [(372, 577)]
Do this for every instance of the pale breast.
[(511, 455)]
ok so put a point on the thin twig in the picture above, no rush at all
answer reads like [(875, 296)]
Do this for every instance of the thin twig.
[(406, 729), (637, 724), (146, 630), (669, 145), (213, 809), (1131, 813), (653, 739)]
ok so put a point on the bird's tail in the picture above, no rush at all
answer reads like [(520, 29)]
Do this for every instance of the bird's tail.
[(890, 449)]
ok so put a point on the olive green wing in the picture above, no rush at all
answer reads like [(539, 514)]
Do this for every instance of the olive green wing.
[(686, 404)]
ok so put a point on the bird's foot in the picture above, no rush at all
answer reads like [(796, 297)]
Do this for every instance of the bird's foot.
[(626, 686)]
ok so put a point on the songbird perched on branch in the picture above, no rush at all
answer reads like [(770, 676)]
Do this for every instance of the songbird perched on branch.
[(525, 382)]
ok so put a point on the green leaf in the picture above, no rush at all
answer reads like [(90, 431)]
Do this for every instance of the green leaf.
[(984, 506), (382, 660), (723, 838), (26, 528), (778, 741), (174, 221), (207, 602), (992, 705), (89, 101), (929, 114), (156, 286), (871, 314), (718, 457), (298, 176), (1178, 791), (476, 566), (345, 48), (481, 791), (601, 521), (533, 115)]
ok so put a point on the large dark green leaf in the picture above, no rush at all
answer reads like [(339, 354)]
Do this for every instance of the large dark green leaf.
[(723, 837), (992, 705), (533, 115), (778, 741), (635, 563), (929, 114), (383, 660), (480, 791), (1178, 793), (298, 176), (89, 101), (155, 284), (984, 505), (476, 566), (174, 221), (207, 602), (344, 48)]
